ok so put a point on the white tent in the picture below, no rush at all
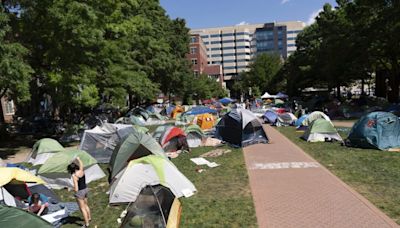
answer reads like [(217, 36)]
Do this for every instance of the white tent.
[(267, 95), (148, 171), (101, 141)]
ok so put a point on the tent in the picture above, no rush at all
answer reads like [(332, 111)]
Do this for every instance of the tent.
[(266, 95), (156, 206), (194, 135), (173, 139), (200, 110), (16, 217), (43, 149), (205, 121), (13, 185), (270, 117), (321, 130), (54, 170), (100, 142), (313, 116), (225, 100), (286, 119), (176, 111), (134, 146), (240, 127), (281, 95), (300, 120), (148, 171), (138, 112), (376, 130)]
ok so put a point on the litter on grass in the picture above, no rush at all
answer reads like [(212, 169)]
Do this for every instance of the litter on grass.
[(215, 153)]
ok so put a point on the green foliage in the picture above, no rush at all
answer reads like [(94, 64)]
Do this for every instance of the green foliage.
[(15, 73), (262, 75), (204, 87)]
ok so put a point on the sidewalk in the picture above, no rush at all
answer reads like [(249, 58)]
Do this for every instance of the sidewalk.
[(291, 189)]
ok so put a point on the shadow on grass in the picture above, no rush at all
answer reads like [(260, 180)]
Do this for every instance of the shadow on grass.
[(73, 220)]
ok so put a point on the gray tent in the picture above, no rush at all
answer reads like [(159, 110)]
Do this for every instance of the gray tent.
[(101, 141)]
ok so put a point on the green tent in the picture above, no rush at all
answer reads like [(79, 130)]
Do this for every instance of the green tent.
[(194, 128), (135, 145), (321, 130), (18, 218), (376, 130), (46, 145), (313, 116), (59, 162), (194, 135), (141, 129)]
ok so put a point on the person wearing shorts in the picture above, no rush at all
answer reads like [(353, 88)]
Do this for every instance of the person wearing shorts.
[(80, 188)]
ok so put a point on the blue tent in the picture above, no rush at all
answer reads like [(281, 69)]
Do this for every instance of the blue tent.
[(270, 117), (225, 100), (376, 130), (200, 110), (281, 95), (300, 120)]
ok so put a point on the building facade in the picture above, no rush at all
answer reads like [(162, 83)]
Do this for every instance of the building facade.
[(198, 57), (233, 47), (8, 109)]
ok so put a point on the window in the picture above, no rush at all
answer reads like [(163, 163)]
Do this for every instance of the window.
[(214, 35), (230, 68), (193, 50), (229, 54), (9, 107), (294, 31), (215, 42), (193, 39), (216, 49), (242, 33), (291, 38), (216, 55), (204, 36), (194, 61), (227, 34), (291, 45)]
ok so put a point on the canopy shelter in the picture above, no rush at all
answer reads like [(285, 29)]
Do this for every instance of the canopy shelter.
[(134, 146), (16, 217), (321, 130), (43, 149), (54, 170), (241, 128), (148, 171), (281, 95), (173, 139), (156, 206), (376, 130), (100, 142), (266, 95), (194, 135)]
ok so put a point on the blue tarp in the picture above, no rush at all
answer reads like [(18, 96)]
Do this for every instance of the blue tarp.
[(300, 120), (200, 110), (281, 95), (225, 100)]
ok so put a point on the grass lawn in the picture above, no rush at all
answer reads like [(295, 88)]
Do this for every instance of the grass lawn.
[(374, 174), (223, 198)]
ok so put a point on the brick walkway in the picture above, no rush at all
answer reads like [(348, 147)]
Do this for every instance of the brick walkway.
[(290, 189)]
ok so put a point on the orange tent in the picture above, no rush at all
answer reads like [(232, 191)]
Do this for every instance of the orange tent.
[(205, 121), (176, 111)]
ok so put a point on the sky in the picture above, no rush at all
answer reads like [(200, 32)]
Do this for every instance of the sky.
[(216, 13)]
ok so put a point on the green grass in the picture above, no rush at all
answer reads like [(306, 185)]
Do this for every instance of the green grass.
[(374, 174), (223, 198)]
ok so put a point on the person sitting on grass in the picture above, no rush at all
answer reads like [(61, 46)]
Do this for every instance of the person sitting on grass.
[(38, 204)]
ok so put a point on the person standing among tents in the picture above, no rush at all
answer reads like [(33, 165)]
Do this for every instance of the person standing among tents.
[(80, 188)]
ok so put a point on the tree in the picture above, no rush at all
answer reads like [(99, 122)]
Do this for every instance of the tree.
[(262, 74)]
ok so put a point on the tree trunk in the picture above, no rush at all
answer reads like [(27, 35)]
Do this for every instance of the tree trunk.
[(338, 95), (380, 84), (362, 86)]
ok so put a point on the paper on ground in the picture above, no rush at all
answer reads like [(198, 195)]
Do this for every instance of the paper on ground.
[(203, 161)]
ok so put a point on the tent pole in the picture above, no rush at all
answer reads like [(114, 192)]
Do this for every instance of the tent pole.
[(159, 205)]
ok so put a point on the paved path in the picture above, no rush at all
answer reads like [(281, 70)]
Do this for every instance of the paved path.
[(290, 189), (338, 123)]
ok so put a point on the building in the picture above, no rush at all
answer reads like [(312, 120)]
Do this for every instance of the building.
[(234, 46), (198, 58), (8, 109)]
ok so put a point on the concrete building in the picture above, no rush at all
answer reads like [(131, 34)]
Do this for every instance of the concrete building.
[(234, 46), (198, 58)]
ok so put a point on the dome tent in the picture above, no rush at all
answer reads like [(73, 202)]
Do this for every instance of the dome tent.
[(194, 135), (54, 170), (376, 130), (241, 128), (321, 130), (16, 217), (270, 117), (149, 170), (43, 150)]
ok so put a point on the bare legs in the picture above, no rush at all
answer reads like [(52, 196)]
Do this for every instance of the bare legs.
[(84, 209), (88, 209)]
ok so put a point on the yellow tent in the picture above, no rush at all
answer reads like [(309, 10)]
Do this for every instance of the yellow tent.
[(176, 111), (9, 174), (205, 121)]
